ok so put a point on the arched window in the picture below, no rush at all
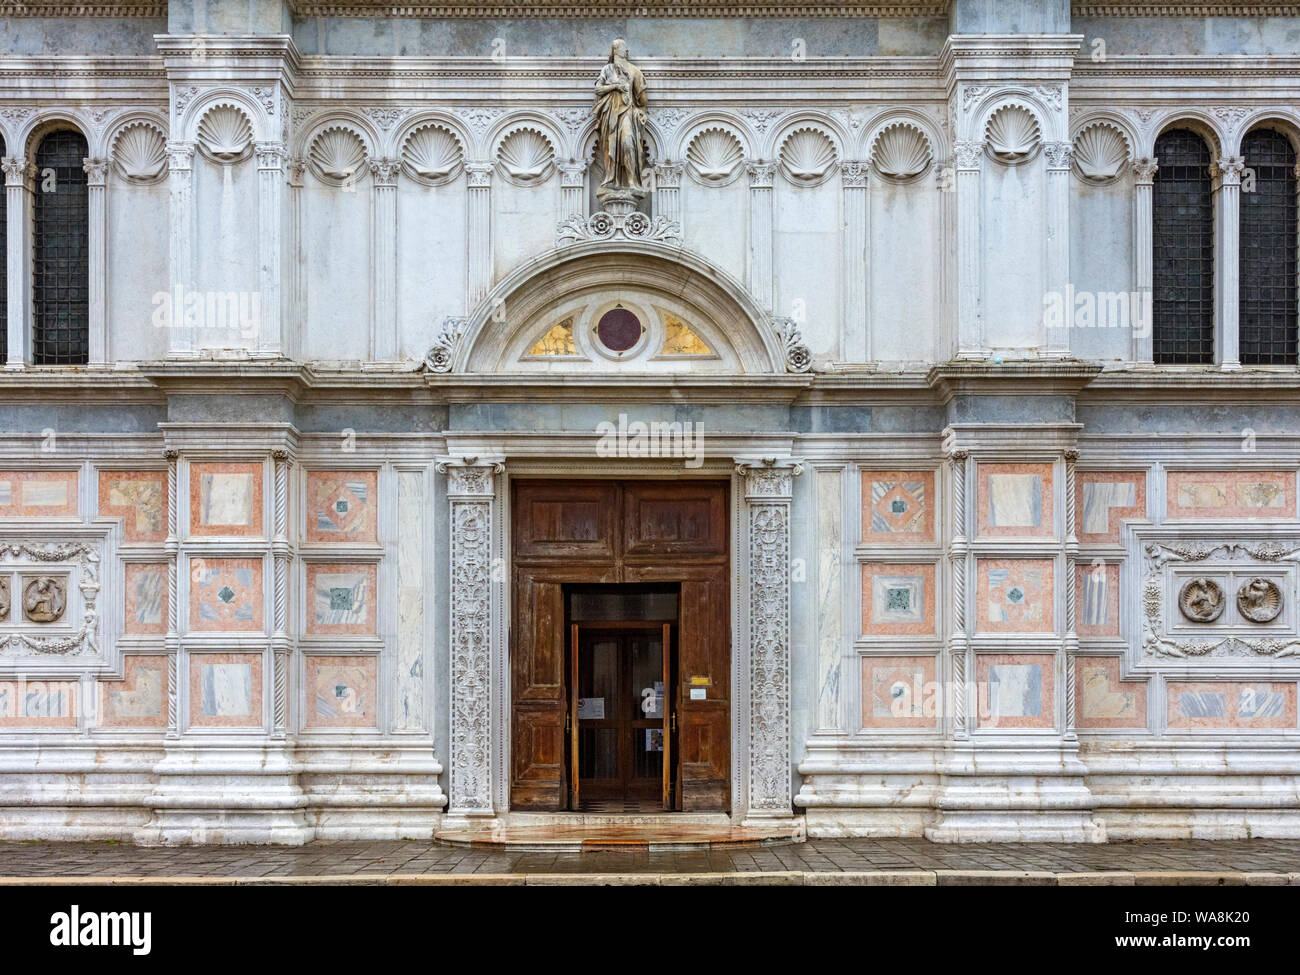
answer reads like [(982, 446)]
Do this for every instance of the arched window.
[(60, 248), (1267, 291), (1182, 224)]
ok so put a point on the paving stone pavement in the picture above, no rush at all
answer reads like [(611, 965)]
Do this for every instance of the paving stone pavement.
[(394, 861)]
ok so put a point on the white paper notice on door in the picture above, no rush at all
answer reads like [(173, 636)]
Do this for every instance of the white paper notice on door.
[(591, 707)]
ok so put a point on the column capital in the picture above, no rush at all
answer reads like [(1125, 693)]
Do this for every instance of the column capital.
[(297, 172), (180, 156), (1060, 155), (1144, 170), (761, 174), (968, 155), (768, 478), (572, 175), (270, 156), (480, 174), (470, 477), (1227, 170), (668, 176), (15, 170), (384, 172), (96, 170), (854, 174)]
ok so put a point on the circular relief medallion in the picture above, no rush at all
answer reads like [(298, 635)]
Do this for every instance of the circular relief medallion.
[(44, 598), (1259, 600), (1201, 600), (618, 330)]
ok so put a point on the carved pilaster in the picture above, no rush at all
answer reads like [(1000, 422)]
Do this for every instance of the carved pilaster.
[(271, 158), (857, 265), (96, 170), (572, 186), (282, 553), (958, 549), (668, 191), (1071, 590), (1226, 171), (172, 546), (769, 485), (1059, 160), (180, 187), (383, 311), (479, 229), (471, 492), (970, 253), (1144, 174), (761, 175), (16, 226)]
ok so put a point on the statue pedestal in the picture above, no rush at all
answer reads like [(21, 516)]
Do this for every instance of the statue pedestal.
[(619, 201)]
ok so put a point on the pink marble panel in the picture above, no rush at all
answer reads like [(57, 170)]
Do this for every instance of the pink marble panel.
[(1230, 704), (342, 506), (900, 692), (139, 699), (1102, 700), (1015, 690), (1103, 499), (139, 498), (1015, 501), (898, 599), (898, 507), (341, 692), (38, 494), (226, 690), (1016, 596), (226, 500), (1230, 494)]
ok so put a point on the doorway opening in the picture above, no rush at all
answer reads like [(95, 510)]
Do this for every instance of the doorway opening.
[(622, 677)]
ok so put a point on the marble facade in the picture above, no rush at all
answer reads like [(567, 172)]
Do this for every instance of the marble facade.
[(346, 280)]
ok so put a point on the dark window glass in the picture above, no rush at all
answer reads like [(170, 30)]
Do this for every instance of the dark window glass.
[(1183, 239), (1267, 289), (61, 273), (4, 270)]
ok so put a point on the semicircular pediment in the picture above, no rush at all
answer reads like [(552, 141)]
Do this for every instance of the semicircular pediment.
[(638, 310)]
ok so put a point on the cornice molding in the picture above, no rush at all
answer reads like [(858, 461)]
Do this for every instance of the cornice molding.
[(1189, 8), (487, 9)]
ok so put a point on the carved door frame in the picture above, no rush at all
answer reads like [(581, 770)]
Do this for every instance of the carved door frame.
[(760, 505)]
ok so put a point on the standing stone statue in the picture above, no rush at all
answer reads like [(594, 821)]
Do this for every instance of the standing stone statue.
[(621, 122)]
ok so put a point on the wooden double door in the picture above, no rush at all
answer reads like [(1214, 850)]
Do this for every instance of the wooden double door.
[(614, 582)]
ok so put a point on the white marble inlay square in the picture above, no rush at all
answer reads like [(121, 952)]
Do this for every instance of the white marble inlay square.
[(226, 499), (1015, 500)]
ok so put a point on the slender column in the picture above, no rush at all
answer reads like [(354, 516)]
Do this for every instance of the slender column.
[(761, 175), (17, 198), (957, 559), (97, 245), (1227, 215), (471, 494), (383, 312), (180, 178), (295, 317), (172, 547), (769, 486), (1144, 175), (572, 190), (855, 342), (271, 157), (668, 191), (282, 553), (1071, 594), (1056, 341), (970, 253), (479, 230)]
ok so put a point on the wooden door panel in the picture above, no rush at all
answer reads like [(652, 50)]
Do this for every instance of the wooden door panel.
[(537, 752), (565, 520), (668, 518)]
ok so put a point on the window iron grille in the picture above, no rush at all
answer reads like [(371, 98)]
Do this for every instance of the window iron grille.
[(61, 271), (1183, 245), (1267, 277)]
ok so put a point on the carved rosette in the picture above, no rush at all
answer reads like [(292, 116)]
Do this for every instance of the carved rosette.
[(602, 226), (470, 493), (442, 353), (768, 487)]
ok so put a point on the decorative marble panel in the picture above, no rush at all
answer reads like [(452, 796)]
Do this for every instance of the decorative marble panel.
[(226, 500), (1105, 701), (1230, 494), (139, 699), (38, 494), (898, 599), (341, 506), (1103, 499), (38, 704), (146, 598), (1016, 596), (1097, 600), (341, 692), (899, 692), (1015, 501), (1230, 704), (341, 599), (226, 595), (1016, 690), (898, 507), (226, 690), (139, 498), (408, 704)]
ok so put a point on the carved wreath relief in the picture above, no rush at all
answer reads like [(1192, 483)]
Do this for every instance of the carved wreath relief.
[(1201, 600), (1259, 600)]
